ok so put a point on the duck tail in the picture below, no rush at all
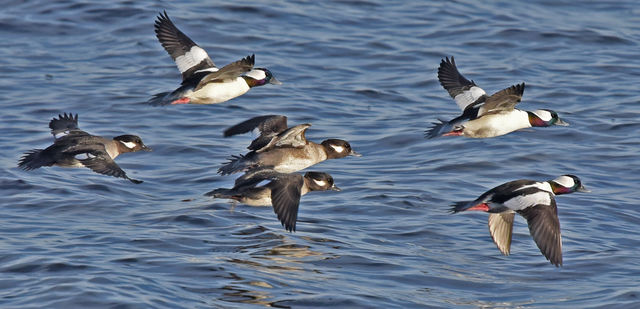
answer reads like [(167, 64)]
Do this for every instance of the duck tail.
[(161, 99), (437, 129), (461, 206), (220, 193), (32, 160), (236, 164)]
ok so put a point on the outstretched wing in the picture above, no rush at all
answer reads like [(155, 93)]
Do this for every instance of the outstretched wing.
[(103, 164), (544, 227), (292, 137), (269, 126), (500, 227), (505, 99), (188, 56), (65, 124), (285, 198), (462, 90), (229, 71)]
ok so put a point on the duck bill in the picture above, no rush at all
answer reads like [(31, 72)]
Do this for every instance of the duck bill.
[(335, 188), (146, 148), (275, 81), (561, 122), (355, 154), (583, 189)]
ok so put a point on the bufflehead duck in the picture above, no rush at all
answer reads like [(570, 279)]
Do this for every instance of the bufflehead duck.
[(283, 149), (482, 115), (202, 81), (73, 147), (283, 192), (533, 200)]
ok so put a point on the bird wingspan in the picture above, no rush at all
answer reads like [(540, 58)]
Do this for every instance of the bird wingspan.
[(544, 227), (188, 56)]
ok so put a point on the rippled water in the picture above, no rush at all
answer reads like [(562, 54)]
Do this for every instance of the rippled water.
[(364, 71)]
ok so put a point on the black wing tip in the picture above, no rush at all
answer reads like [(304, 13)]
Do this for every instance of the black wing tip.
[(518, 88), (136, 181), (163, 17), (27, 161), (251, 124), (64, 117)]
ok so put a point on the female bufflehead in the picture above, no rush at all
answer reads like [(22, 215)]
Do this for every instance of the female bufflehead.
[(202, 81), (482, 115), (283, 192), (533, 200), (283, 149), (73, 147)]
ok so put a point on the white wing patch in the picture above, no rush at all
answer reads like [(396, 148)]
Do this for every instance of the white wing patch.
[(523, 201), (60, 134), (565, 181), (320, 183), (338, 149), (193, 57), (82, 156), (208, 70), (469, 96), (129, 145), (256, 74)]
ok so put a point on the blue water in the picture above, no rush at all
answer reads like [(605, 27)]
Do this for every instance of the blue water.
[(364, 71)]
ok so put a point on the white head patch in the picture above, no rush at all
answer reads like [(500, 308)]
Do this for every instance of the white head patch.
[(542, 114), (338, 149), (320, 183), (193, 57), (565, 181), (129, 145), (256, 74)]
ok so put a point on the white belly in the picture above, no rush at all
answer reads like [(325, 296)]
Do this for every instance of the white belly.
[(497, 124), (213, 93)]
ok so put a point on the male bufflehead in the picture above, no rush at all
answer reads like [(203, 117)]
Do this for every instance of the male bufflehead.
[(533, 200), (482, 115), (202, 81)]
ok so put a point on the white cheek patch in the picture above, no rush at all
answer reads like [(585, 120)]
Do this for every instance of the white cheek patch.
[(129, 145), (544, 115), (256, 74), (338, 149), (320, 183), (523, 201), (193, 57), (469, 96), (565, 181)]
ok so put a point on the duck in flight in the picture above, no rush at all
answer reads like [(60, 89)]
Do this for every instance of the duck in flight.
[(202, 81), (485, 115)]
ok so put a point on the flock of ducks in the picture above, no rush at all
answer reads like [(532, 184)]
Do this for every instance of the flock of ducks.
[(280, 151)]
